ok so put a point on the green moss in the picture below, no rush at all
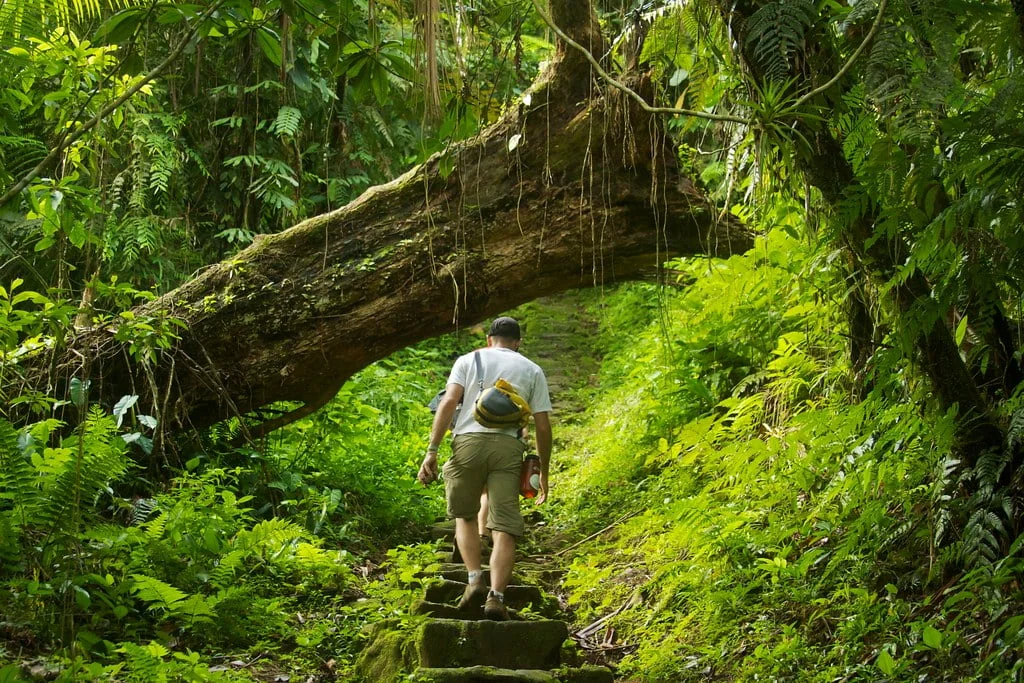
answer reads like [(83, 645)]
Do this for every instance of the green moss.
[(390, 653)]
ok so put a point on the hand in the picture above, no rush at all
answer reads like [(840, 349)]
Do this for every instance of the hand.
[(428, 470), (542, 495)]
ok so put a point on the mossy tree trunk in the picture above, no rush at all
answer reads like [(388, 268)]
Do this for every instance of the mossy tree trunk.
[(572, 188)]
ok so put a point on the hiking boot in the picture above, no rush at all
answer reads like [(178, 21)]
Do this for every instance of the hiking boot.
[(494, 609), (473, 597)]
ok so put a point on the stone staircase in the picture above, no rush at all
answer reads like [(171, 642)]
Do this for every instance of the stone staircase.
[(456, 647)]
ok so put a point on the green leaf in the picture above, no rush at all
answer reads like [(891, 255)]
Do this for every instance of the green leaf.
[(82, 597), (146, 444), (961, 330), (885, 663), (932, 637), (79, 391), (120, 26), (270, 44), (122, 407), (10, 673), (78, 235)]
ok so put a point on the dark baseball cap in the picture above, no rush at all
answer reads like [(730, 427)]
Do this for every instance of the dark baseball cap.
[(505, 327)]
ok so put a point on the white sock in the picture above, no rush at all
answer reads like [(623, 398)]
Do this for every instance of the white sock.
[(500, 596), (475, 576)]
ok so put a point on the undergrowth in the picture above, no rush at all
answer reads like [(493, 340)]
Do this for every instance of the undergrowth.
[(248, 563), (753, 522)]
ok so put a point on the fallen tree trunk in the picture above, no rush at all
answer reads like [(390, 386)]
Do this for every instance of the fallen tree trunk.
[(572, 189)]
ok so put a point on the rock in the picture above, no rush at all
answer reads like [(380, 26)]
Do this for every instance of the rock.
[(440, 610), (584, 674), (388, 652), (443, 530), (445, 643)]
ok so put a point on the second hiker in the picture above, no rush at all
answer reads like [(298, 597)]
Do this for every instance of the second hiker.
[(489, 457)]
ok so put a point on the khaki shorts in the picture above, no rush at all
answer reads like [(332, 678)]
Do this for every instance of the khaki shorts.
[(491, 460)]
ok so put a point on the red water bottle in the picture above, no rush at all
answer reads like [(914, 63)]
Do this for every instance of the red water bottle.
[(529, 480)]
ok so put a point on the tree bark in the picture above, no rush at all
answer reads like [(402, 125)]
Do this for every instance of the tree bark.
[(571, 189)]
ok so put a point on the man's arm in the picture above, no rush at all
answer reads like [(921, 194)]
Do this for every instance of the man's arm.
[(542, 423), (442, 418)]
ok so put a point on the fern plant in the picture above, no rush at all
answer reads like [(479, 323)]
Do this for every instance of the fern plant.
[(775, 32)]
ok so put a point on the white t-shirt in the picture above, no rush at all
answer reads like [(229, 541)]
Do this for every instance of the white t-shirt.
[(498, 363)]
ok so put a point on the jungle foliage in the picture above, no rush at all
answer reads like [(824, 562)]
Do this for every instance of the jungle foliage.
[(800, 463)]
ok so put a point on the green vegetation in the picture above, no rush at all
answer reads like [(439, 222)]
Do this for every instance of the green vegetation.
[(798, 463)]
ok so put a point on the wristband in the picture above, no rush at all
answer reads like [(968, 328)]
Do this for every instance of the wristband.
[(431, 449)]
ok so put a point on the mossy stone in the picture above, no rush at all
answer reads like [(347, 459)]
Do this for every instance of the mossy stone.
[(388, 654), (444, 643), (584, 674)]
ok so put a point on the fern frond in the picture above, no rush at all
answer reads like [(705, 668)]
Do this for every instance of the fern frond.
[(18, 480), (896, 536), (381, 125), (271, 534), (145, 662), (223, 574), (287, 123), (156, 593), (155, 527), (776, 31), (142, 508), (19, 155), (1015, 434), (989, 467)]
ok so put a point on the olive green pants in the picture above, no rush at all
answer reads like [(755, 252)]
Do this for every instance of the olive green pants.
[(491, 460)]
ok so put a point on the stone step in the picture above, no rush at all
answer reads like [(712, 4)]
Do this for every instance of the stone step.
[(484, 674), (481, 674), (462, 576), (443, 530), (452, 643), (490, 674), (538, 573), (440, 610), (444, 610), (516, 597)]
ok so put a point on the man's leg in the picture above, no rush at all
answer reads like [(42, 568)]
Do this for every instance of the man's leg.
[(502, 558), (465, 476), (481, 519), (468, 540), (467, 536), (504, 520)]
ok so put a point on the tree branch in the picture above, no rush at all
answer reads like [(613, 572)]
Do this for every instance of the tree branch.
[(700, 114), (626, 89), (849, 62)]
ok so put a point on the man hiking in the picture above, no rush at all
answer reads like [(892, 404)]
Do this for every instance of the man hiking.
[(489, 457)]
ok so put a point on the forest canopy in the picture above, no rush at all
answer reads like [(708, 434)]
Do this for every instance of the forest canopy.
[(240, 240)]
